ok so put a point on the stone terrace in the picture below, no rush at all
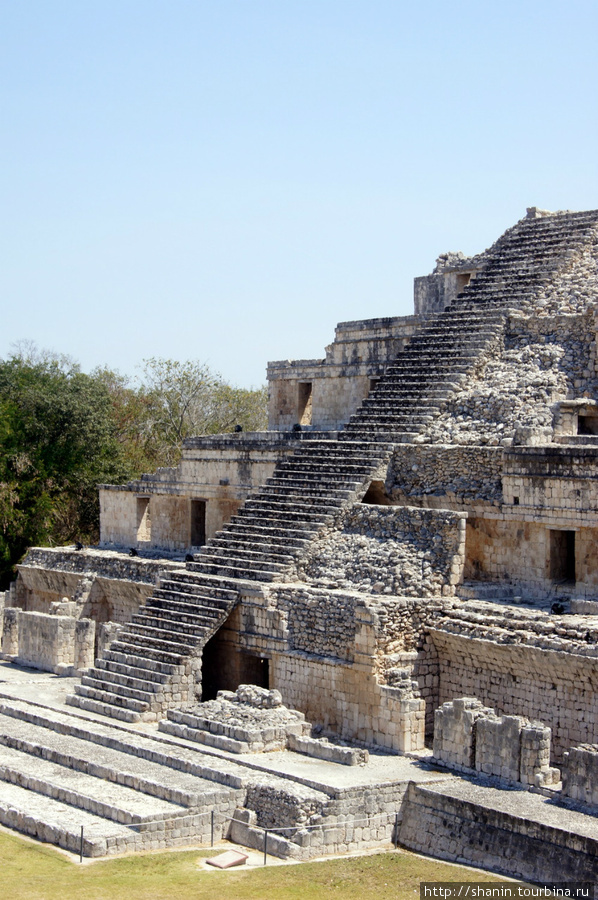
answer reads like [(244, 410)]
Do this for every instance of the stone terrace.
[(158, 652)]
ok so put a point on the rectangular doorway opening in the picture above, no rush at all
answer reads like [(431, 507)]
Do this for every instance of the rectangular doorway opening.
[(587, 424), (144, 522), (373, 382), (255, 670), (562, 557), (198, 523), (463, 280), (304, 402)]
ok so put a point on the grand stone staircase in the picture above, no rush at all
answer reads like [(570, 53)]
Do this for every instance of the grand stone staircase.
[(156, 660)]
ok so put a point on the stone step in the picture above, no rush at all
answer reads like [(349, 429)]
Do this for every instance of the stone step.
[(304, 481), (60, 823), (389, 422), (129, 646), (103, 708), (245, 560), (244, 550), (164, 599), (120, 670), (216, 587), (262, 528), (280, 513), (190, 595), (134, 751), (319, 499), (403, 437), (126, 680), (167, 771), (157, 607), (140, 686), (162, 667), (169, 626), (388, 407), (109, 694), (150, 638), (398, 393), (355, 453), (200, 736), (244, 571), (108, 800)]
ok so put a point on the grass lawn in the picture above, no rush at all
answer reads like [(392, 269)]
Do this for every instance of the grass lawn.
[(31, 871)]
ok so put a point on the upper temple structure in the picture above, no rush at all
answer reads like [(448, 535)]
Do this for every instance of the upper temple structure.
[(418, 525)]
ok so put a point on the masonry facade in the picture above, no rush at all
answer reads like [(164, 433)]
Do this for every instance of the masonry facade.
[(418, 524)]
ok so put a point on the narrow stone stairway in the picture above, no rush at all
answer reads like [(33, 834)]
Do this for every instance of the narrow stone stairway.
[(522, 261), (156, 660)]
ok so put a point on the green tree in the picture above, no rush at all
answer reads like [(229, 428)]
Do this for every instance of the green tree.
[(58, 441), (185, 399), (63, 432)]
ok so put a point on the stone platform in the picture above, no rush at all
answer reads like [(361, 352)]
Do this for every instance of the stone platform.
[(134, 787)]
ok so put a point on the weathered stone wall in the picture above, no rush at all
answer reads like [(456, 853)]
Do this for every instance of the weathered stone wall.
[(576, 287), (60, 644), (454, 731), (104, 585), (495, 836), (220, 470), (423, 472), (322, 648), (348, 700), (518, 553), (102, 563), (315, 625), (118, 517), (433, 293), (469, 736), (552, 484), (393, 550), (359, 354), (580, 774), (554, 686)]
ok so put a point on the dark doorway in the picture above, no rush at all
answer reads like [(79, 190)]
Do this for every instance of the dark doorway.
[(562, 557), (144, 522), (224, 667), (198, 523), (376, 494), (463, 280), (587, 424), (304, 403), (255, 670)]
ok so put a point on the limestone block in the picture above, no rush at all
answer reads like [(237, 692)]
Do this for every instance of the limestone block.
[(497, 746), (84, 644), (10, 633), (454, 735), (580, 774)]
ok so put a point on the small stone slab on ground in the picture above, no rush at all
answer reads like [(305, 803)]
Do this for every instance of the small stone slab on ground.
[(228, 859)]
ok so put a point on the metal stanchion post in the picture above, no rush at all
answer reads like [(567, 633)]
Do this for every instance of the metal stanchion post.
[(396, 831), (212, 828), (81, 846), (265, 845)]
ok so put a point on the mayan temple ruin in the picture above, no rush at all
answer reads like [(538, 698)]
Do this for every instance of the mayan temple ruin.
[(375, 623)]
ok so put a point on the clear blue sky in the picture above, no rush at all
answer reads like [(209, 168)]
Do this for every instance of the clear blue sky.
[(225, 180)]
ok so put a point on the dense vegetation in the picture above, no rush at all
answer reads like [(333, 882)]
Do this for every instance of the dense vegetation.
[(63, 432)]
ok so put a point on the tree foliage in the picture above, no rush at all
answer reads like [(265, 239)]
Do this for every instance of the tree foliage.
[(58, 442), (63, 432), (185, 399)]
